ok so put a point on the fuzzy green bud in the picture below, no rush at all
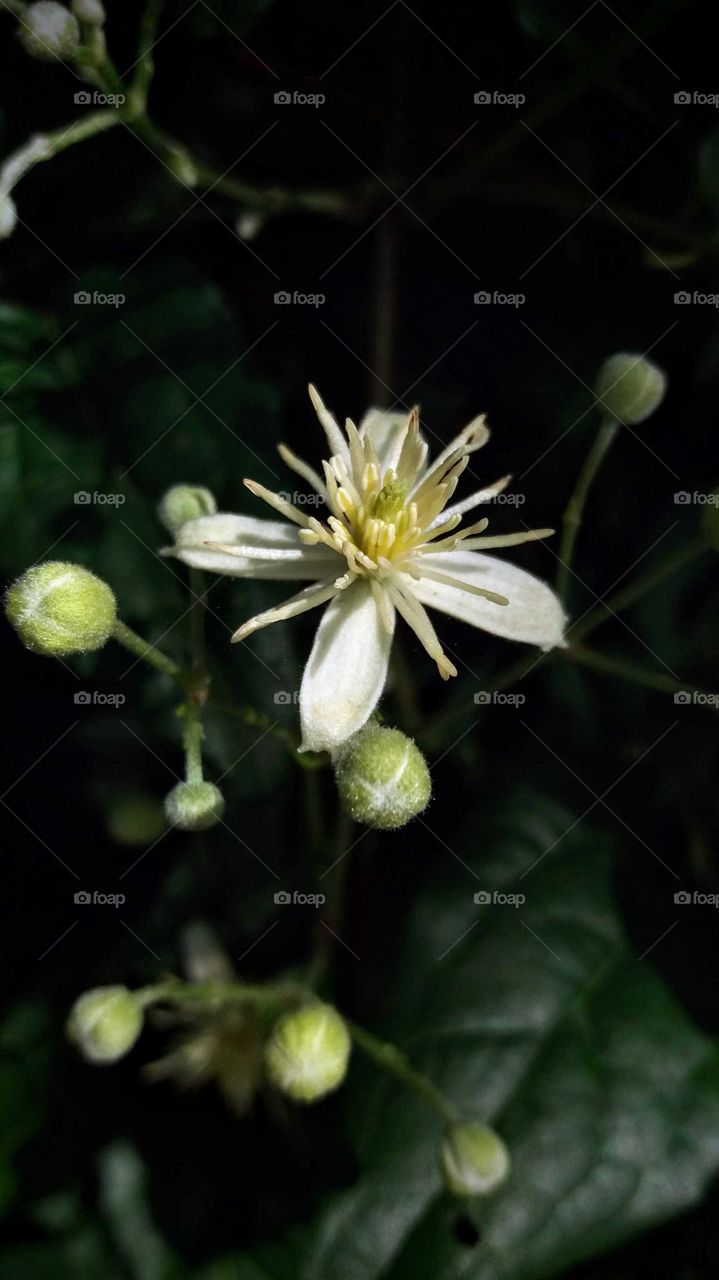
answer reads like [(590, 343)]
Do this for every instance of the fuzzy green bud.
[(630, 387), (59, 608), (91, 12), (382, 777), (474, 1159), (105, 1023), (8, 216), (194, 806), (185, 502), (307, 1054), (49, 31)]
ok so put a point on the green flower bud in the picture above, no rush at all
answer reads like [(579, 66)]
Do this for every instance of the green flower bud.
[(194, 806), (710, 521), (185, 502), (48, 31), (308, 1051), (135, 819), (474, 1159), (58, 608), (105, 1023), (92, 12), (8, 216), (382, 777), (630, 387)]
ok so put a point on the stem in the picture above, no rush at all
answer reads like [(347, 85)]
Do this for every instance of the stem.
[(639, 675), (176, 991), (200, 680), (192, 742), (145, 61), (143, 649), (572, 519), (396, 1062), (691, 550)]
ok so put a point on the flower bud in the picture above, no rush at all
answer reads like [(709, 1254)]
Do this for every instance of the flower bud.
[(185, 502), (58, 608), (382, 777), (91, 12), (629, 387), (8, 216), (474, 1159), (49, 31), (308, 1051), (105, 1023), (194, 806)]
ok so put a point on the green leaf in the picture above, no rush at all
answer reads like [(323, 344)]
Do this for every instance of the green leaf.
[(540, 1019)]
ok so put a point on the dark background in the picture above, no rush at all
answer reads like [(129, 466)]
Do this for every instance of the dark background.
[(399, 325)]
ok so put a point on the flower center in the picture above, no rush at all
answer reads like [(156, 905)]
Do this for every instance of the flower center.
[(389, 501)]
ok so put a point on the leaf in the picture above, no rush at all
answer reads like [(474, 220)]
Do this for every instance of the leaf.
[(540, 1019)]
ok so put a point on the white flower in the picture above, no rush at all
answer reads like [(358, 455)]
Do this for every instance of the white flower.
[(389, 544)]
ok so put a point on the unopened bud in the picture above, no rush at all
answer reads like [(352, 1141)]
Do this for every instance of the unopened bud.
[(91, 12), (48, 31), (474, 1159), (308, 1051), (185, 502), (382, 777), (194, 806), (58, 608), (8, 216), (105, 1023), (629, 387)]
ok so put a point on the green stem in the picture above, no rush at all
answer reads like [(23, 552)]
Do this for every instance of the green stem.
[(572, 518), (614, 666), (212, 993), (192, 741), (690, 551), (396, 1062), (143, 649), (145, 61)]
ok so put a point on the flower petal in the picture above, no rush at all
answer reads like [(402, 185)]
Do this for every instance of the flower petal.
[(386, 430), (265, 549), (534, 614), (346, 671)]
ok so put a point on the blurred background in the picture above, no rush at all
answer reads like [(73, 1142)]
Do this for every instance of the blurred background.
[(481, 254)]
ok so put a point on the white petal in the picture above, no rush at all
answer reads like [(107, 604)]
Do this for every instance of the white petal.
[(534, 614), (346, 671), (273, 549), (386, 430)]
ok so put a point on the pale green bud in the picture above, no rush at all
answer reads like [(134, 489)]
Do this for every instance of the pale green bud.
[(48, 31), (194, 806), (92, 12), (474, 1159), (382, 777), (105, 1023), (630, 387), (8, 216), (308, 1051), (185, 502), (59, 608)]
